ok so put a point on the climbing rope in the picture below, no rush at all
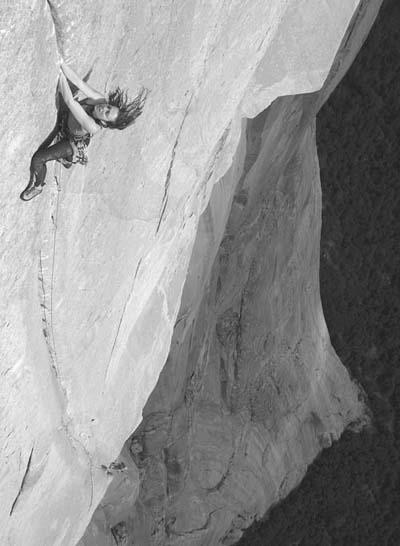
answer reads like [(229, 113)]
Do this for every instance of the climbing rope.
[(47, 289)]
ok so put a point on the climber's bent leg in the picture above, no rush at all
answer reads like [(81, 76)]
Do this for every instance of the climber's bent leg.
[(61, 150)]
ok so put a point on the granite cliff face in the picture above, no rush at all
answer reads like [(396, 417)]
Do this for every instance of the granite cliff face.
[(252, 389), (93, 273), (350, 492)]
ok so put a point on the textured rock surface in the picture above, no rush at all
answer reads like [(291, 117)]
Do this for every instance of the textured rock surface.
[(252, 389), (350, 495), (92, 275)]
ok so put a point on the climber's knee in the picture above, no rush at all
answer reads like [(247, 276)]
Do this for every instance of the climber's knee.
[(37, 161)]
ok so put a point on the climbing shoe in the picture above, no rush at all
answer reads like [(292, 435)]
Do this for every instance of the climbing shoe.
[(30, 192)]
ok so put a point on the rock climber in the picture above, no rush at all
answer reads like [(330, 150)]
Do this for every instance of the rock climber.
[(80, 117)]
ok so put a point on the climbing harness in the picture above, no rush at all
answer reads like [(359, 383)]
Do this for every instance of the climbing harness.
[(79, 143)]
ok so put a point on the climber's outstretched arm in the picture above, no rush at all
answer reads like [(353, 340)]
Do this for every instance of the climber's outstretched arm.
[(75, 108), (83, 86)]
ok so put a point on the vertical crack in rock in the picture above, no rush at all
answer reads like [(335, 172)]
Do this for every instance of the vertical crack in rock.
[(215, 157), (168, 177), (56, 22), (46, 293), (46, 298), (121, 320), (46, 328), (22, 483)]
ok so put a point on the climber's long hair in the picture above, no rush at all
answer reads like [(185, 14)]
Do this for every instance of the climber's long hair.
[(128, 110)]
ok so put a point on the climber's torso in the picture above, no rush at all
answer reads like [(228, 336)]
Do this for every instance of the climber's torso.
[(74, 127)]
